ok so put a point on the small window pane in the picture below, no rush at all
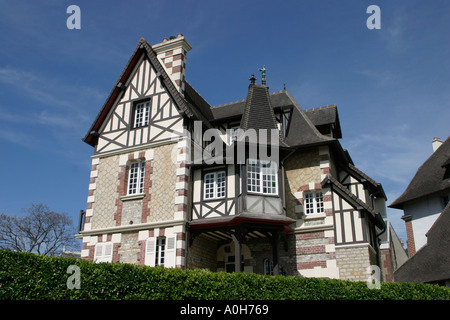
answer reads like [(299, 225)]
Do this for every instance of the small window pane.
[(313, 203), (136, 178), (209, 186), (142, 114), (221, 184), (214, 185)]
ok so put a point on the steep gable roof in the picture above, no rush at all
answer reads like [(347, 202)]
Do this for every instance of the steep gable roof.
[(143, 48), (302, 130), (429, 178), (353, 200)]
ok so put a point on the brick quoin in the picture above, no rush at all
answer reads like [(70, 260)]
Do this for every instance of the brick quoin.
[(121, 190), (310, 235), (311, 265), (311, 250), (147, 186), (141, 253)]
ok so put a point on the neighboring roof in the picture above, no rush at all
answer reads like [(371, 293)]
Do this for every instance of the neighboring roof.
[(431, 263), (354, 201), (143, 48), (429, 178)]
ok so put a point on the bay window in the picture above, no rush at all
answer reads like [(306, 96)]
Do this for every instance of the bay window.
[(262, 177)]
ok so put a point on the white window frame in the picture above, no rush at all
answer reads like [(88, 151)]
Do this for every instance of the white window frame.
[(214, 185), (161, 251), (136, 178), (103, 252), (262, 177), (313, 202), (142, 114)]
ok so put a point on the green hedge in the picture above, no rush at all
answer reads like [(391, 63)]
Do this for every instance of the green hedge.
[(29, 276)]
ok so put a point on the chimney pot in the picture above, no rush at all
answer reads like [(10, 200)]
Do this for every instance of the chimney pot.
[(437, 142)]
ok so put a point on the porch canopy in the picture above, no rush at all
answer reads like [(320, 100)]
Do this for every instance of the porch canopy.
[(242, 228)]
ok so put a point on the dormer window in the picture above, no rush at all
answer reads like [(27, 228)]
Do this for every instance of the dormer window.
[(262, 177), (141, 114)]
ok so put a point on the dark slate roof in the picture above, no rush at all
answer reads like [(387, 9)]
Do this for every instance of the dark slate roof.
[(258, 115), (302, 130), (195, 99), (431, 263), (324, 116), (236, 109), (279, 100), (429, 178), (258, 112), (354, 201)]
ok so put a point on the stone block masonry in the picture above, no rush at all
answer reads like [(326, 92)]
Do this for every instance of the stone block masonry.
[(353, 261)]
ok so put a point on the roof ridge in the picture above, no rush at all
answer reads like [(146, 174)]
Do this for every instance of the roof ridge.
[(243, 100), (322, 107), (226, 104)]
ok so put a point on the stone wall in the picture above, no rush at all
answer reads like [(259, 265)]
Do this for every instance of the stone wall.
[(301, 168), (103, 200), (202, 254), (353, 261), (129, 249), (162, 190)]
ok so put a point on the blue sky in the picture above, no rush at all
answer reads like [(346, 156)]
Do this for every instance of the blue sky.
[(391, 86)]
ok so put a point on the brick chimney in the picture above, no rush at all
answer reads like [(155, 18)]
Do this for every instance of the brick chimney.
[(437, 142), (172, 54)]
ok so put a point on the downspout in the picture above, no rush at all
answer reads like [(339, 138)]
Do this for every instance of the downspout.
[(282, 177)]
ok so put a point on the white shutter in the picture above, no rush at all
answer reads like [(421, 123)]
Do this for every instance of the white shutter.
[(150, 249), (103, 252), (171, 252), (107, 252), (98, 252)]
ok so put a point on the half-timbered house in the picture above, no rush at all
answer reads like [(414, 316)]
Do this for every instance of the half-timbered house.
[(179, 183)]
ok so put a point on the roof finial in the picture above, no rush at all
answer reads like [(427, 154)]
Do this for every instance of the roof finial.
[(252, 79), (263, 75)]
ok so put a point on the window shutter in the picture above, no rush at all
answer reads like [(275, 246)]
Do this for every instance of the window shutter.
[(171, 251), (150, 250), (108, 251), (98, 252)]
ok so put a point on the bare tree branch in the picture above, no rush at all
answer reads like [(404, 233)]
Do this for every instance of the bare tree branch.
[(42, 231)]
